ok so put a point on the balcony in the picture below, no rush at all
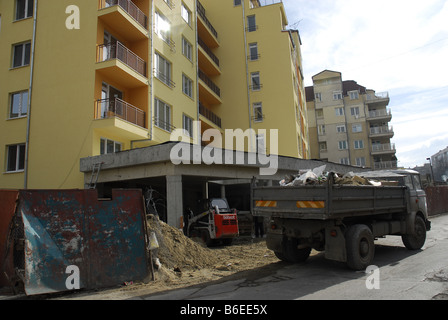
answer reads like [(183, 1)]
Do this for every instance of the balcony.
[(384, 165), (377, 98), (207, 59), (387, 148), (115, 107), (381, 114), (121, 64), (209, 115), (206, 30), (127, 19), (384, 131), (208, 90)]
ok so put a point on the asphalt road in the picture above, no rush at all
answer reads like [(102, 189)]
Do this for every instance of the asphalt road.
[(401, 275)]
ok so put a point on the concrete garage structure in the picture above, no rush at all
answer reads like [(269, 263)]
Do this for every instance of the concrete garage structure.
[(183, 185)]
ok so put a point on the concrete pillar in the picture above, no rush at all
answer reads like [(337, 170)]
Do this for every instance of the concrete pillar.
[(174, 200), (223, 191)]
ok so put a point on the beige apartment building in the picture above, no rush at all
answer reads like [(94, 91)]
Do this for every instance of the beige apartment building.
[(349, 124)]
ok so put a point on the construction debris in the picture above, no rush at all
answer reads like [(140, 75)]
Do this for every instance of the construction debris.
[(318, 176)]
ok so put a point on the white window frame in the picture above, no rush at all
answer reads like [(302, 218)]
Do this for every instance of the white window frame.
[(104, 146), (253, 27), (354, 111), (356, 128), (162, 27), (345, 161), (360, 162), (19, 157), (321, 129), (258, 112), (254, 76), (337, 95), (25, 58), (253, 51), (162, 117), (341, 128), (187, 124), (163, 68), (342, 145), (354, 95), (187, 49), (23, 104), (359, 144), (187, 86), (28, 5), (318, 96), (185, 13), (339, 111)]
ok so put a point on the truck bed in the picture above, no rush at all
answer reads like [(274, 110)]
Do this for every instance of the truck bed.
[(327, 201)]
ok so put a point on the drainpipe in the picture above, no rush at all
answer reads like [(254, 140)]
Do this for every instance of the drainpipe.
[(247, 75), (30, 92), (198, 134)]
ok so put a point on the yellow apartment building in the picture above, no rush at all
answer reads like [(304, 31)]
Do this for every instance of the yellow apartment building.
[(349, 124), (90, 77)]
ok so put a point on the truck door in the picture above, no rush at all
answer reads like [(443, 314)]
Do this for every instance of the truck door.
[(413, 199), (419, 194)]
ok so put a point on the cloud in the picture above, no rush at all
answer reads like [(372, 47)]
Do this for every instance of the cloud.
[(398, 46)]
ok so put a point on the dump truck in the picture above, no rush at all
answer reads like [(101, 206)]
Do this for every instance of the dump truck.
[(343, 220), (217, 224)]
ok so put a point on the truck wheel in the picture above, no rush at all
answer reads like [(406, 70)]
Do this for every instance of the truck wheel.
[(417, 240), (360, 247), (291, 253)]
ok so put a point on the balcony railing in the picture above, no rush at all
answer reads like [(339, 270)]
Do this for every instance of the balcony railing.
[(201, 12), (377, 96), (115, 107), (129, 7), (209, 51), (381, 130), (387, 147), (119, 51), (209, 115), (209, 83), (385, 165), (380, 113)]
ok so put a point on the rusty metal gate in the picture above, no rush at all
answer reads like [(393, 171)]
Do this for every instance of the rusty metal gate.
[(105, 240)]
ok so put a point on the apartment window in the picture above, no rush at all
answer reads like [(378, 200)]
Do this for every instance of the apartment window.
[(163, 70), (321, 129), (187, 86), (162, 27), (236, 2), (16, 158), (339, 111), (261, 144), (341, 128), (253, 51), (24, 9), (187, 49), (354, 111), (187, 125), (19, 104), (361, 162), (357, 128), (354, 95), (319, 113), (323, 146), (359, 144), (251, 23), (21, 54), (186, 14), (318, 96), (109, 146), (258, 112), (342, 145), (255, 80), (169, 3), (162, 115), (337, 95), (344, 161)]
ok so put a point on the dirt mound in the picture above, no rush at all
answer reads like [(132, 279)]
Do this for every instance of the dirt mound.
[(176, 251)]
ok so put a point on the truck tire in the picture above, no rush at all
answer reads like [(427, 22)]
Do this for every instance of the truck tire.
[(360, 247), (291, 252), (417, 240)]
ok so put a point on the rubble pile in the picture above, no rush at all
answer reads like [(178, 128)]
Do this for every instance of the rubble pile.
[(318, 176)]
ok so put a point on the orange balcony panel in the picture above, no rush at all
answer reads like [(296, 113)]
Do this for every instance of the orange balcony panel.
[(206, 34), (119, 72), (207, 64), (123, 24), (207, 95)]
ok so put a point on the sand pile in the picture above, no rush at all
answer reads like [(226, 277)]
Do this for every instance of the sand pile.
[(178, 252)]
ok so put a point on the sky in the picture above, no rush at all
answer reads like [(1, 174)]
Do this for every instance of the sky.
[(395, 46)]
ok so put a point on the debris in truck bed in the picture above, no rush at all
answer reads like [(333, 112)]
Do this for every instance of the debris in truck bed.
[(319, 176)]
